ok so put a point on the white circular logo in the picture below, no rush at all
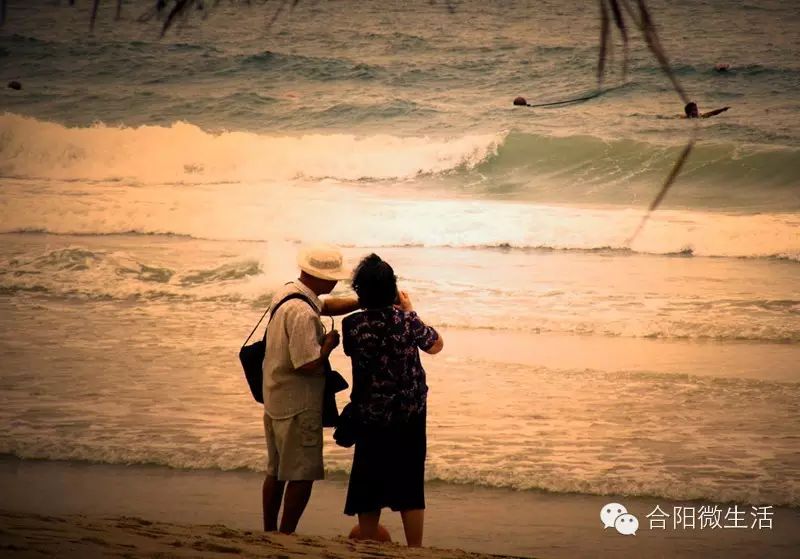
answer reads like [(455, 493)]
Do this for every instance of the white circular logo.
[(626, 524), (610, 512)]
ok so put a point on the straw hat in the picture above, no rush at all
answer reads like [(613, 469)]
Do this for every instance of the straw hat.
[(323, 262)]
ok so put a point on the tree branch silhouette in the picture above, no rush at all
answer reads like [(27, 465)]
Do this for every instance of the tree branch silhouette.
[(644, 22)]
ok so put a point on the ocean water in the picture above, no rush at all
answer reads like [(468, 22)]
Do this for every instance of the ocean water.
[(153, 193)]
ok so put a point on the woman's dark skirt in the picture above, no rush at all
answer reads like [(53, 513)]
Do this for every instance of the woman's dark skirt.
[(388, 468)]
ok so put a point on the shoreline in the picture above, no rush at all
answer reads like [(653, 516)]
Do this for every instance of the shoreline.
[(475, 519), (78, 536)]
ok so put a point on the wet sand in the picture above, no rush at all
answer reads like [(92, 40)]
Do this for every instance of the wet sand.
[(210, 513)]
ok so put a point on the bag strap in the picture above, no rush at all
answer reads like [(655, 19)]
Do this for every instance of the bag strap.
[(250, 335), (274, 310)]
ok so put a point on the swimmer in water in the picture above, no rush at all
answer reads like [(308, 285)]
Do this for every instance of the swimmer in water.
[(692, 111)]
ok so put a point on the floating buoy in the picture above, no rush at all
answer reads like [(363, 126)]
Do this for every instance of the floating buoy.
[(520, 102), (14, 84), (722, 67)]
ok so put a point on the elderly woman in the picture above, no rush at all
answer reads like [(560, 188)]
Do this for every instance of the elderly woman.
[(389, 392)]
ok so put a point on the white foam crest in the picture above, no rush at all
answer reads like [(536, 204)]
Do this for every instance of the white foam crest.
[(185, 153), (229, 458)]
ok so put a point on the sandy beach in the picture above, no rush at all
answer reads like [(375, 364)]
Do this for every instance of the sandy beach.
[(207, 509), (34, 535)]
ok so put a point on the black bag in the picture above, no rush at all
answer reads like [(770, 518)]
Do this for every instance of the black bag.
[(252, 356), (334, 382), (252, 359), (347, 429)]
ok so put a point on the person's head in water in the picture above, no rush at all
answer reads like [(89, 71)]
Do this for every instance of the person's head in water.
[(691, 110), (375, 283)]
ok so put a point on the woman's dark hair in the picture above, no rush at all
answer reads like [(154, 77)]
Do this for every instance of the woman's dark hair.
[(375, 283)]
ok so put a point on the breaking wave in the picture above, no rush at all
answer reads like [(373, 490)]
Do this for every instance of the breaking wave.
[(228, 458), (573, 169), (184, 153)]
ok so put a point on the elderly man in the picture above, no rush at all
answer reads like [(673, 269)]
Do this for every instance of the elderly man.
[(296, 354)]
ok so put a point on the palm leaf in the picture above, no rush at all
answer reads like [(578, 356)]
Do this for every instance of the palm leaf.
[(605, 38), (651, 36), (279, 11), (619, 21), (94, 14), (673, 174), (180, 8)]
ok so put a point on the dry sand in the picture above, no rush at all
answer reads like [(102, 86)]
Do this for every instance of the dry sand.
[(35, 535)]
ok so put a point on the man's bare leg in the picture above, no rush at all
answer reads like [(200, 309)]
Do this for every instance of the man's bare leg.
[(413, 524), (294, 503), (271, 496), (368, 525)]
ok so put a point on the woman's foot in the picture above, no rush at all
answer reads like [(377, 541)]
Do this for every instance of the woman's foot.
[(381, 534)]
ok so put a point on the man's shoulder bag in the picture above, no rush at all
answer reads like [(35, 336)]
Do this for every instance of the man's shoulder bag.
[(252, 356), (252, 359)]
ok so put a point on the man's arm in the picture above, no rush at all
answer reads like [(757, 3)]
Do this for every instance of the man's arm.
[(715, 112), (336, 306), (306, 353), (329, 343)]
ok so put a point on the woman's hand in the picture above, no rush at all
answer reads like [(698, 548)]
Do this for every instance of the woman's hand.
[(404, 302)]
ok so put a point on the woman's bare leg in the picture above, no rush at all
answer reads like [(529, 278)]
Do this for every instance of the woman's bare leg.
[(413, 524), (368, 524)]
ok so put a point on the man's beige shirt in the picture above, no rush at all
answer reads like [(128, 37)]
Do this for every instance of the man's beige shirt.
[(294, 338)]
